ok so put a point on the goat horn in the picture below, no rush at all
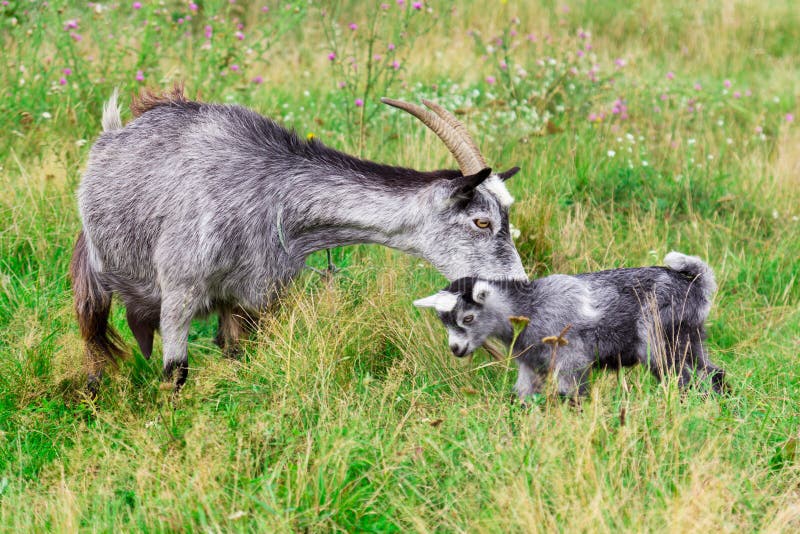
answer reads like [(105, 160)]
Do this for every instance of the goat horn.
[(458, 126), (466, 154)]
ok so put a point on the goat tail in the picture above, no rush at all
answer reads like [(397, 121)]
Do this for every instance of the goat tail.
[(112, 119), (92, 306), (695, 267)]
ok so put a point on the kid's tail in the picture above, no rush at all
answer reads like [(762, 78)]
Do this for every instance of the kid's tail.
[(695, 267)]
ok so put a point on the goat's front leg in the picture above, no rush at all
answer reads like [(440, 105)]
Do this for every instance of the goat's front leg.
[(178, 306), (572, 371), (529, 382)]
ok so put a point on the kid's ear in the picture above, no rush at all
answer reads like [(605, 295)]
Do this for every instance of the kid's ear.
[(481, 291), (443, 301)]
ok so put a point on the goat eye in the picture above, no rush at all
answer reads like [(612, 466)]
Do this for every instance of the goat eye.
[(481, 223), (468, 319)]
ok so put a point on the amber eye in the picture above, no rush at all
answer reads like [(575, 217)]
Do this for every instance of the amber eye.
[(481, 223), (468, 319)]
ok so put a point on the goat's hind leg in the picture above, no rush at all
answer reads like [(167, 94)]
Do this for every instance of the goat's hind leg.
[(143, 326), (235, 324), (708, 373)]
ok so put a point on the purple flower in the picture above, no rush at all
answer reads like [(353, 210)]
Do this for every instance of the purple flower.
[(67, 71), (264, 9), (62, 81), (737, 94), (580, 53), (490, 80), (331, 56), (377, 57), (235, 67), (258, 80), (342, 85), (359, 103), (193, 6), (670, 75), (384, 6), (395, 64), (239, 35), (664, 96), (139, 76), (391, 46), (759, 129), (209, 31), (417, 5), (76, 36), (71, 24), (401, 2), (789, 117), (620, 62), (137, 5), (698, 87), (727, 84), (353, 26)]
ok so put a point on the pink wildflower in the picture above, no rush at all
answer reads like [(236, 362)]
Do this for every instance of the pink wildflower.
[(76, 36), (619, 62), (698, 87), (235, 67), (62, 81), (391, 46), (239, 35), (139, 76), (789, 118), (193, 6), (264, 9), (67, 71), (331, 56), (71, 24), (258, 80), (490, 80), (401, 2), (737, 94), (137, 5), (353, 26), (395, 64), (670, 75), (359, 103), (727, 84), (209, 31), (417, 5)]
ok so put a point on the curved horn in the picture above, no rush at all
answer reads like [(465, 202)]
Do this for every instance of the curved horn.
[(458, 126), (468, 158)]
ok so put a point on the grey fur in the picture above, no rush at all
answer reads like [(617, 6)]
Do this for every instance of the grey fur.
[(195, 208), (651, 315)]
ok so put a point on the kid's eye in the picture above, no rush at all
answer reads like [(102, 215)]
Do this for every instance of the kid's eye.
[(481, 223), (467, 319)]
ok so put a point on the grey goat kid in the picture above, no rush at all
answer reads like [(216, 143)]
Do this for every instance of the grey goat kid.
[(650, 315), (196, 208)]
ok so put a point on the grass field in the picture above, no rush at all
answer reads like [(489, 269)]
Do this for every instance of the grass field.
[(641, 127)]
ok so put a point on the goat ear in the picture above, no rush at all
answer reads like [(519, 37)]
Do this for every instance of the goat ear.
[(443, 301), (464, 186), (481, 291), (508, 174)]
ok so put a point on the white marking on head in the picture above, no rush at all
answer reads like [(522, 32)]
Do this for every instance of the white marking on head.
[(497, 187), (443, 302), (481, 291)]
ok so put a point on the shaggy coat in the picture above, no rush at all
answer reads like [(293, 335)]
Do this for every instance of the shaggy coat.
[(195, 208), (652, 316)]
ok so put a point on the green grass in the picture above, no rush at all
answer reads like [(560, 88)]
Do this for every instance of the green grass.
[(346, 411)]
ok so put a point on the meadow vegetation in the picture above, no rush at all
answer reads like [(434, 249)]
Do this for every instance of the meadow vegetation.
[(641, 127)]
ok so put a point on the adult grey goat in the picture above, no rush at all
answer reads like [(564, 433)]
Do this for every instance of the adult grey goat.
[(195, 208)]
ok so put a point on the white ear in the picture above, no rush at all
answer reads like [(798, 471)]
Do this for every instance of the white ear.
[(443, 301), (481, 291)]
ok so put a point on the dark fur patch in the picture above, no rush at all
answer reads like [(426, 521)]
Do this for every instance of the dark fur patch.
[(149, 99)]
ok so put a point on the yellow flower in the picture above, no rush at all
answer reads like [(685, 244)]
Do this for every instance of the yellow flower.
[(310, 136)]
